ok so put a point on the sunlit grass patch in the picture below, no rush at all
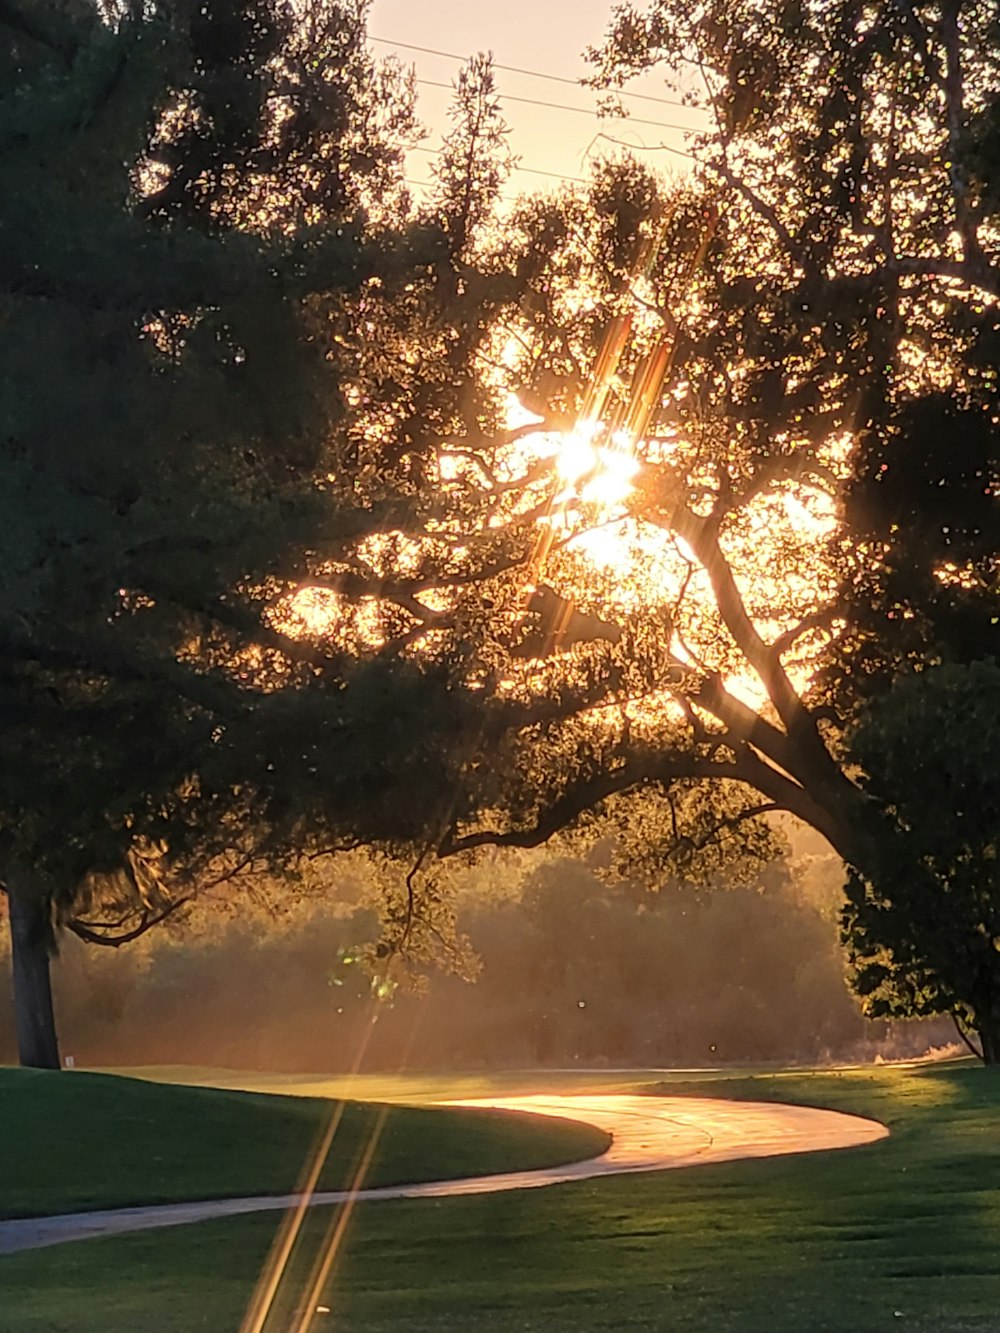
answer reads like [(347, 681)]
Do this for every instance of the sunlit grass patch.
[(902, 1234), (426, 1086), (82, 1141)]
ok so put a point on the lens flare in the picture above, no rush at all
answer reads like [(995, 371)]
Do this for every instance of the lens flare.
[(577, 456), (611, 481)]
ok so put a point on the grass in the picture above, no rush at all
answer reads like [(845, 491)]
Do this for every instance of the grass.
[(81, 1141), (903, 1234), (420, 1087)]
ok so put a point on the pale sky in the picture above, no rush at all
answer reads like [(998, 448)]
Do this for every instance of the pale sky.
[(543, 35)]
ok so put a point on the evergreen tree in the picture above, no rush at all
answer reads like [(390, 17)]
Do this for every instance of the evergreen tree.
[(209, 262)]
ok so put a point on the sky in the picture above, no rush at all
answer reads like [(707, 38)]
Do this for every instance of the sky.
[(547, 36)]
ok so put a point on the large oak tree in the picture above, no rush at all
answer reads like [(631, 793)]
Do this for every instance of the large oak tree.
[(816, 510)]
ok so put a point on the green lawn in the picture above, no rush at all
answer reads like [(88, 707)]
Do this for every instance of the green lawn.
[(421, 1087), (903, 1234), (81, 1141)]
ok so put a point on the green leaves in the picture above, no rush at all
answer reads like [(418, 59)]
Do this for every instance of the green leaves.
[(182, 239), (922, 922)]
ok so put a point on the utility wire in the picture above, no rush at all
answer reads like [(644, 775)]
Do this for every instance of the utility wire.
[(531, 171), (561, 106), (531, 73), (430, 185), (556, 175)]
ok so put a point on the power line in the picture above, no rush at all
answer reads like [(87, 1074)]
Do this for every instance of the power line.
[(556, 175), (561, 106), (430, 185), (531, 73), (531, 171)]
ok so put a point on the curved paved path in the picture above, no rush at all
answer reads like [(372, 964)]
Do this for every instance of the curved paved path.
[(648, 1134)]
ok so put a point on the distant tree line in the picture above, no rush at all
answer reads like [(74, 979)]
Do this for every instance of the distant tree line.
[(569, 972)]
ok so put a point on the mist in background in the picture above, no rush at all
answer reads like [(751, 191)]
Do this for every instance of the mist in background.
[(572, 972)]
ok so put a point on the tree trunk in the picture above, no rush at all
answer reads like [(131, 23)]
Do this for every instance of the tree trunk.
[(988, 1028), (984, 1001), (990, 1042), (31, 956)]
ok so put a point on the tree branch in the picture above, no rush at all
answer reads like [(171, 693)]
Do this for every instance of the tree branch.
[(762, 208), (918, 35), (575, 801), (966, 217), (722, 825), (217, 697), (95, 932), (975, 273), (817, 620), (704, 542)]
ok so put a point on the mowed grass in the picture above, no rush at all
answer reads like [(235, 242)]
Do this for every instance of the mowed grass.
[(903, 1234), (73, 1142), (424, 1086)]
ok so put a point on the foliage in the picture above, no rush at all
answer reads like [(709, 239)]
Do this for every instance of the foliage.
[(923, 925), (318, 377), (570, 971), (276, 485), (819, 477), (252, 517), (200, 297)]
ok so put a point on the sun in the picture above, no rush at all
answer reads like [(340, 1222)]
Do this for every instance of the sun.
[(603, 554)]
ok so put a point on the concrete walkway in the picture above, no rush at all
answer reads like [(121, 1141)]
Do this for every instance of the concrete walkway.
[(648, 1134)]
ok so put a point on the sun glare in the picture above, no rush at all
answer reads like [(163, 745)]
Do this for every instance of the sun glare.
[(577, 457), (594, 472), (622, 565)]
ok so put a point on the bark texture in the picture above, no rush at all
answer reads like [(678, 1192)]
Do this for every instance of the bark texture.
[(31, 956)]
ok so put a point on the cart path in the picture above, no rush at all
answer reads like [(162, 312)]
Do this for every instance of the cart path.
[(648, 1134)]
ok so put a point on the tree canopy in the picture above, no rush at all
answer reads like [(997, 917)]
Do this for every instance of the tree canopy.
[(812, 509), (267, 522), (616, 510), (815, 508), (213, 282)]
